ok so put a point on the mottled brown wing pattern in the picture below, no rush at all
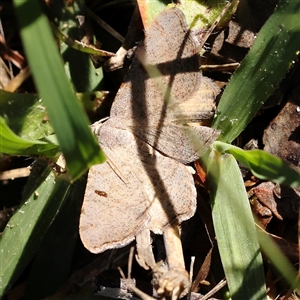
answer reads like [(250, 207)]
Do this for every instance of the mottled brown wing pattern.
[(170, 49), (141, 188), (144, 185), (111, 219)]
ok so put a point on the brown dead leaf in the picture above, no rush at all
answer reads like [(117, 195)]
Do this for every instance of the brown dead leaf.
[(265, 194)]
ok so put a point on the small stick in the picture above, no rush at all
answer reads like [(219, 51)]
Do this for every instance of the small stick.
[(221, 284), (105, 26), (220, 68), (15, 173), (191, 276), (17, 81), (130, 286)]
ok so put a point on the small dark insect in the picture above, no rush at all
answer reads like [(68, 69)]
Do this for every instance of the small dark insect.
[(101, 193)]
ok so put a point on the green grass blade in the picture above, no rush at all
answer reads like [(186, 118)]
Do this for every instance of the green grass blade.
[(235, 229), (263, 164), (77, 142), (90, 49), (30, 120), (78, 65), (261, 71), (13, 144), (23, 234), (25, 114), (52, 264)]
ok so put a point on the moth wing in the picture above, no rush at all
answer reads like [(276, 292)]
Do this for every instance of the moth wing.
[(164, 71), (175, 193), (182, 143), (168, 185), (115, 207), (200, 106)]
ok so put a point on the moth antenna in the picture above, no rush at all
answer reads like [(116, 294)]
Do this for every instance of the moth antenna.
[(116, 170)]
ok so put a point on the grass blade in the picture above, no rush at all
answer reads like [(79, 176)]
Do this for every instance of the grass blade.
[(25, 114), (263, 164), (263, 68), (235, 229), (70, 123), (45, 194), (52, 264), (13, 144)]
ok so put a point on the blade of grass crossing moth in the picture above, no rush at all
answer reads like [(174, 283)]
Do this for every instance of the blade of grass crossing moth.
[(70, 123), (261, 71), (235, 229)]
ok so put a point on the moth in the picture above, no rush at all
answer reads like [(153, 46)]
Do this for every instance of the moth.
[(149, 139)]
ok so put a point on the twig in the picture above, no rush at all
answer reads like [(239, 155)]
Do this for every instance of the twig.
[(191, 276), (105, 26), (221, 284), (15, 173)]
